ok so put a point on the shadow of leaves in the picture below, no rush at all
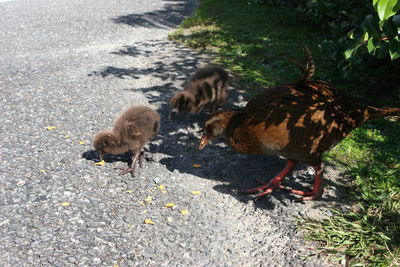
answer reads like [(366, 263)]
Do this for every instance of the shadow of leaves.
[(168, 17)]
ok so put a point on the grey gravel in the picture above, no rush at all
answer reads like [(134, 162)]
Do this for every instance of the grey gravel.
[(76, 65)]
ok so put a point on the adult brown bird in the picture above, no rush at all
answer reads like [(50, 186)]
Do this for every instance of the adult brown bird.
[(132, 130), (206, 89), (299, 121)]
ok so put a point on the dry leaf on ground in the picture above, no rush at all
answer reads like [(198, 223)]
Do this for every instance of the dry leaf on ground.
[(184, 212), (100, 163), (149, 221)]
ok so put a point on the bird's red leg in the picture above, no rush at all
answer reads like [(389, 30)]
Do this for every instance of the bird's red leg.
[(131, 166), (317, 188), (267, 188)]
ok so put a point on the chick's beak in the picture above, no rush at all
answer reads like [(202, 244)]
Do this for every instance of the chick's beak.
[(204, 141)]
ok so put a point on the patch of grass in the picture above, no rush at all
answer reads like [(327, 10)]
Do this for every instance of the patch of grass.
[(370, 234), (255, 41)]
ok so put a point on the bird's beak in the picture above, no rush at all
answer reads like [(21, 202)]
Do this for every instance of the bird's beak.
[(204, 141)]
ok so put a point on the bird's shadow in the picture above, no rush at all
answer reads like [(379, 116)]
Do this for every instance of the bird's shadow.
[(235, 172), (92, 155)]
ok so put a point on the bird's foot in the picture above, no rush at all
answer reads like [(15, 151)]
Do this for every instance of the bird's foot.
[(265, 189), (315, 194), (125, 170), (268, 187), (131, 164)]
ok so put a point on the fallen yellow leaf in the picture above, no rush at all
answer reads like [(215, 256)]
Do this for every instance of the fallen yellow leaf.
[(169, 205), (82, 142), (196, 192), (100, 163), (149, 199), (51, 128), (169, 219), (149, 221), (42, 171), (196, 165), (164, 191), (129, 191), (66, 136), (64, 204), (141, 203), (161, 187), (184, 212), (145, 211)]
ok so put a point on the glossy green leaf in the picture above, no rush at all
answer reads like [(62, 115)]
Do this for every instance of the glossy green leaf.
[(349, 53), (365, 36), (371, 46), (386, 8)]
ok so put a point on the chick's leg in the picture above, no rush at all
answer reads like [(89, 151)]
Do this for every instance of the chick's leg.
[(317, 188), (268, 187), (131, 165)]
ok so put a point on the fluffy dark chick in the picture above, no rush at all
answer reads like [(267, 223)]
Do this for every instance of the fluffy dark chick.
[(132, 130), (206, 89)]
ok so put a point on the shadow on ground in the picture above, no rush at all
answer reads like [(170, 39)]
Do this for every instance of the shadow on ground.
[(168, 17)]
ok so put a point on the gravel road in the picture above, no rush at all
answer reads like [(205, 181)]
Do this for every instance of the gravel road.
[(67, 68)]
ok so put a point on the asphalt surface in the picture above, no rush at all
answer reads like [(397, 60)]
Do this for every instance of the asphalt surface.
[(67, 69)]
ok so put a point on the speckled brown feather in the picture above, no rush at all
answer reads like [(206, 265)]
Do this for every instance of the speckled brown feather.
[(299, 123)]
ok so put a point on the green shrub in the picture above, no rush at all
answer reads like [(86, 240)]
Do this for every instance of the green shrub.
[(363, 36)]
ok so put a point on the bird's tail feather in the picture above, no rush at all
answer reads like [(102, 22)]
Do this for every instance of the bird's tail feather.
[(308, 70)]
